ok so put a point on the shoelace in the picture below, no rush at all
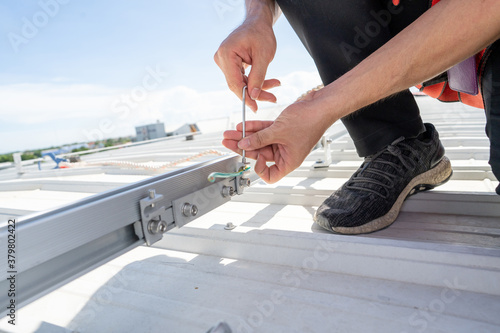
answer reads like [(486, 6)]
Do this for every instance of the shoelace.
[(394, 149)]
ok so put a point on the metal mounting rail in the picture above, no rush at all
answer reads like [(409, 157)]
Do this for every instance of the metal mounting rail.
[(55, 247)]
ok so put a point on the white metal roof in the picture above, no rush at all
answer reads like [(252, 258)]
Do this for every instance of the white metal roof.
[(436, 269)]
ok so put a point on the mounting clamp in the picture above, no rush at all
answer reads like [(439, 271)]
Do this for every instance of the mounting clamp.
[(153, 218), (327, 154)]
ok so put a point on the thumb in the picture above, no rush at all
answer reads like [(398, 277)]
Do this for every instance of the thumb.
[(257, 140), (257, 76)]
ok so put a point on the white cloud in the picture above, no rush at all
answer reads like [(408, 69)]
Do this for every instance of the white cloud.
[(295, 84), (68, 112)]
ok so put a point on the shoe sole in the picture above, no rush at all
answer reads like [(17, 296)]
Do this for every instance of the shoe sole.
[(436, 176)]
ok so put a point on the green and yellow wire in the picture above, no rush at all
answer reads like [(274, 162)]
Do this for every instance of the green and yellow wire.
[(215, 175)]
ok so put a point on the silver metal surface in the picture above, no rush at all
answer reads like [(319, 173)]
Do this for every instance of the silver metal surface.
[(204, 200), (152, 217), (243, 159), (157, 227), (229, 226), (327, 153), (245, 182), (58, 245), (239, 184), (189, 209), (227, 191)]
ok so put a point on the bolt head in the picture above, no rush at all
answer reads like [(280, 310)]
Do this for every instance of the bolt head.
[(229, 226), (189, 209), (194, 210), (157, 227), (227, 191), (245, 182)]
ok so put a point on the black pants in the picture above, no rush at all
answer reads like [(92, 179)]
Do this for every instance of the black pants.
[(339, 34)]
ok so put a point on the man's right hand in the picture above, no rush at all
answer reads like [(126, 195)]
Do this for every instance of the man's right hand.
[(251, 44)]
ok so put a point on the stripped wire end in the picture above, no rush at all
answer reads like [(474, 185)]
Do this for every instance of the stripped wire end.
[(214, 175)]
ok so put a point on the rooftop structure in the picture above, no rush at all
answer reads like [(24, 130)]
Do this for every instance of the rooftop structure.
[(150, 132), (260, 264)]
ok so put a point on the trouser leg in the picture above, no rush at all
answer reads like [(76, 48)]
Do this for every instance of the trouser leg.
[(490, 86), (339, 34)]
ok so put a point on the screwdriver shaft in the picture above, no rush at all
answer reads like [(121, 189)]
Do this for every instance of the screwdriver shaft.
[(244, 160)]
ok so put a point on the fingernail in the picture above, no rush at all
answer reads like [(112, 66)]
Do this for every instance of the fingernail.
[(255, 93), (244, 144)]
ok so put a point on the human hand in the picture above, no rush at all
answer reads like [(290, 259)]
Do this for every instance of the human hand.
[(286, 141), (252, 44)]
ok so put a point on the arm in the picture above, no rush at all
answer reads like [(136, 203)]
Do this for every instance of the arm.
[(446, 34), (251, 44)]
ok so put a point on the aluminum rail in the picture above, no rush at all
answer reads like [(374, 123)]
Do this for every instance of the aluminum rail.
[(54, 247)]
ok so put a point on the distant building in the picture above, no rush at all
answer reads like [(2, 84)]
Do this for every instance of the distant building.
[(189, 129), (150, 132)]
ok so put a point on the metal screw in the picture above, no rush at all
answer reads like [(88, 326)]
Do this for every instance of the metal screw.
[(227, 191), (229, 226), (245, 182), (189, 210), (157, 227), (152, 194)]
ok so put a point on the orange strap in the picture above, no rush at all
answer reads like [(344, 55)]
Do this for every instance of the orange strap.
[(442, 91)]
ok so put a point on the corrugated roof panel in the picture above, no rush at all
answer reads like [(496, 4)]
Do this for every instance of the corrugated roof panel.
[(436, 269)]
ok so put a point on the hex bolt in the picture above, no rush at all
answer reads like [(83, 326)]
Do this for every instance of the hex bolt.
[(227, 191), (152, 194), (157, 227), (229, 226), (189, 210), (245, 182)]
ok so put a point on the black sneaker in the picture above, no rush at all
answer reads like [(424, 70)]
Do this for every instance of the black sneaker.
[(371, 199)]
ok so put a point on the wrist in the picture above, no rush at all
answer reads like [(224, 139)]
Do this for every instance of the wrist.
[(261, 11), (325, 103)]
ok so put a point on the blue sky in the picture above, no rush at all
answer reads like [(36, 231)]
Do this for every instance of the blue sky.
[(67, 66)]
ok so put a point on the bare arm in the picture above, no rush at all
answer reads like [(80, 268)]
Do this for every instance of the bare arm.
[(262, 9), (251, 44), (446, 34)]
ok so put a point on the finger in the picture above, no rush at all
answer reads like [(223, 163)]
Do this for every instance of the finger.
[(257, 75), (269, 174), (258, 140), (235, 135), (270, 84), (233, 145), (250, 102), (264, 95), (260, 168), (267, 97), (254, 125), (235, 76), (232, 135), (233, 68)]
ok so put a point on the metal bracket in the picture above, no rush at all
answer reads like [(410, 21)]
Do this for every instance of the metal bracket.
[(327, 157), (153, 218), (195, 204), (102, 226), (241, 181)]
